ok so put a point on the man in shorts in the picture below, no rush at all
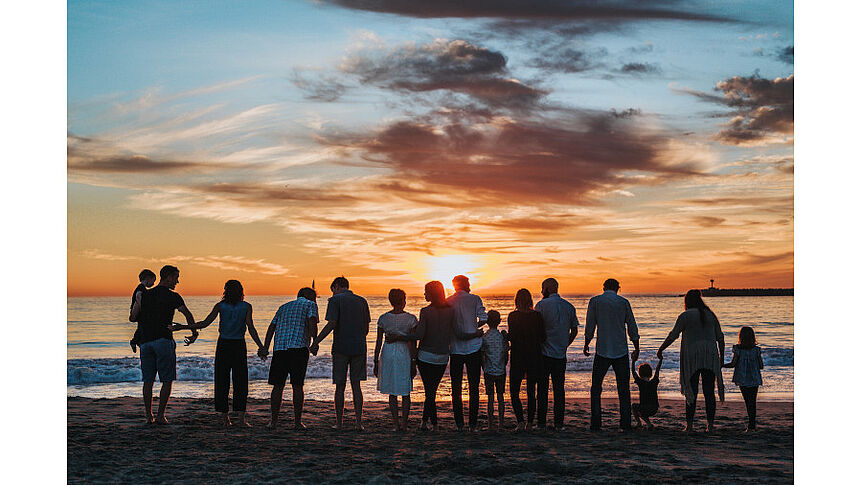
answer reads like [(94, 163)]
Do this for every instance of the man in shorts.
[(293, 326), (348, 317), (154, 311)]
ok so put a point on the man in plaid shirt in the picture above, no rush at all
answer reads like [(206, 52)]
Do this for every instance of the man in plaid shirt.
[(293, 326)]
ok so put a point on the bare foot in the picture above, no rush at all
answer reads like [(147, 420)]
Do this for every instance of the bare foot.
[(521, 427), (161, 420), (529, 427), (224, 420), (244, 422), (710, 428), (688, 429), (151, 419), (299, 427), (272, 426), (359, 427), (423, 426)]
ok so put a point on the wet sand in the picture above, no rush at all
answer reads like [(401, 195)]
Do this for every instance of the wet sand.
[(109, 442)]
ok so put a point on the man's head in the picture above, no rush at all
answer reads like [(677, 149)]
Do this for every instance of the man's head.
[(307, 293), (493, 318), (645, 371), (147, 278), (397, 298), (611, 284), (461, 282), (339, 284), (549, 287), (169, 276)]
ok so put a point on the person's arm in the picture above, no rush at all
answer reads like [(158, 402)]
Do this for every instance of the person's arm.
[(719, 336), (672, 336), (632, 327), (657, 369), (634, 371), (467, 335), (481, 315), (590, 328), (733, 361), (573, 331), (637, 351), (311, 326), (191, 321), (327, 329), (377, 347), (205, 322), (249, 323), (136, 308), (759, 358)]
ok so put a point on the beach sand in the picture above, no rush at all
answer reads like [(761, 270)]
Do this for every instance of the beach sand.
[(109, 442)]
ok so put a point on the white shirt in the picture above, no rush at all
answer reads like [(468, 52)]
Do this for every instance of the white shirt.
[(611, 314), (469, 311)]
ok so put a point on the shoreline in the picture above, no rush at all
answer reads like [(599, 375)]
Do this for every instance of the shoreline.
[(108, 441)]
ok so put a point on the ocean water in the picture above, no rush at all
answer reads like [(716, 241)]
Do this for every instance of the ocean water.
[(101, 364)]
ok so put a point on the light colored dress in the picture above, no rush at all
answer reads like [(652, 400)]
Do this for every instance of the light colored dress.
[(394, 372), (747, 370), (698, 349)]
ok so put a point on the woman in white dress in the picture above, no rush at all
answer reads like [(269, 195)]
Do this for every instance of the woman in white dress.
[(394, 365)]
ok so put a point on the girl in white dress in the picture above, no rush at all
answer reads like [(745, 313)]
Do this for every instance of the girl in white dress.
[(394, 366)]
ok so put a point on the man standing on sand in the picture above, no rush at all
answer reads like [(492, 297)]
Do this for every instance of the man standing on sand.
[(154, 311), (561, 328), (348, 317), (608, 316), (293, 326), (465, 349)]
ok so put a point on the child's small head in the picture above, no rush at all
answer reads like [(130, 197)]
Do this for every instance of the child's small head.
[(645, 371), (147, 278), (397, 298), (746, 338), (493, 318)]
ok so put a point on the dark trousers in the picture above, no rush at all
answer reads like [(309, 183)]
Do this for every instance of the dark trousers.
[(431, 375), (556, 370), (621, 371), (516, 376), (750, 396), (231, 358), (708, 395), (456, 372)]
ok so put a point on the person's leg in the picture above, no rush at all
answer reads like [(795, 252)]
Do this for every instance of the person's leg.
[(558, 379), (531, 400), (542, 392), (691, 406), (436, 378), (456, 373), (393, 410), (751, 407), (489, 391), (164, 397), (275, 404), (221, 386), (474, 377), (405, 411), (147, 392), (298, 403), (709, 397), (516, 376), (239, 372), (425, 375), (622, 373), (600, 368), (339, 404), (636, 412), (356, 387), (500, 386), (339, 378), (298, 368)]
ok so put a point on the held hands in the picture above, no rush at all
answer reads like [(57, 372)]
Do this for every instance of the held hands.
[(659, 355), (314, 348), (262, 353), (587, 349), (191, 338)]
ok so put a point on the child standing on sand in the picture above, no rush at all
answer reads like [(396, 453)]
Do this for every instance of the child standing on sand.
[(147, 279), (397, 360), (648, 389), (495, 354), (747, 362)]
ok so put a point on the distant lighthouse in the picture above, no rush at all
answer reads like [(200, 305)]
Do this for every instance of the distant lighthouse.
[(711, 284)]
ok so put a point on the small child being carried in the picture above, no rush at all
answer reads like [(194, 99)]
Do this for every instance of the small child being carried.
[(648, 389), (495, 355), (147, 279)]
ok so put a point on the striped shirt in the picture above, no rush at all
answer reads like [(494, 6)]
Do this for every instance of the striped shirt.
[(290, 324)]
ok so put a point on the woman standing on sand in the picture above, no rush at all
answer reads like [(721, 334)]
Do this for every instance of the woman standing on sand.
[(699, 357), (526, 334), (230, 355), (435, 331), (394, 366)]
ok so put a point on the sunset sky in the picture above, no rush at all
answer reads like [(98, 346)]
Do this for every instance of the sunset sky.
[(276, 142)]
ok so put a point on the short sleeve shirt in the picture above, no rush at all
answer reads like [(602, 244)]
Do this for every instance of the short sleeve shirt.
[(351, 316), (494, 352), (290, 324), (157, 313)]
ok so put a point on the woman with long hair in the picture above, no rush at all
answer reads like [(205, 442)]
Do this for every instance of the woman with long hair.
[(434, 332), (700, 359), (231, 359), (526, 334)]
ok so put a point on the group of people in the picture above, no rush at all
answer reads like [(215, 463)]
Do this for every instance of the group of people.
[(448, 332)]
